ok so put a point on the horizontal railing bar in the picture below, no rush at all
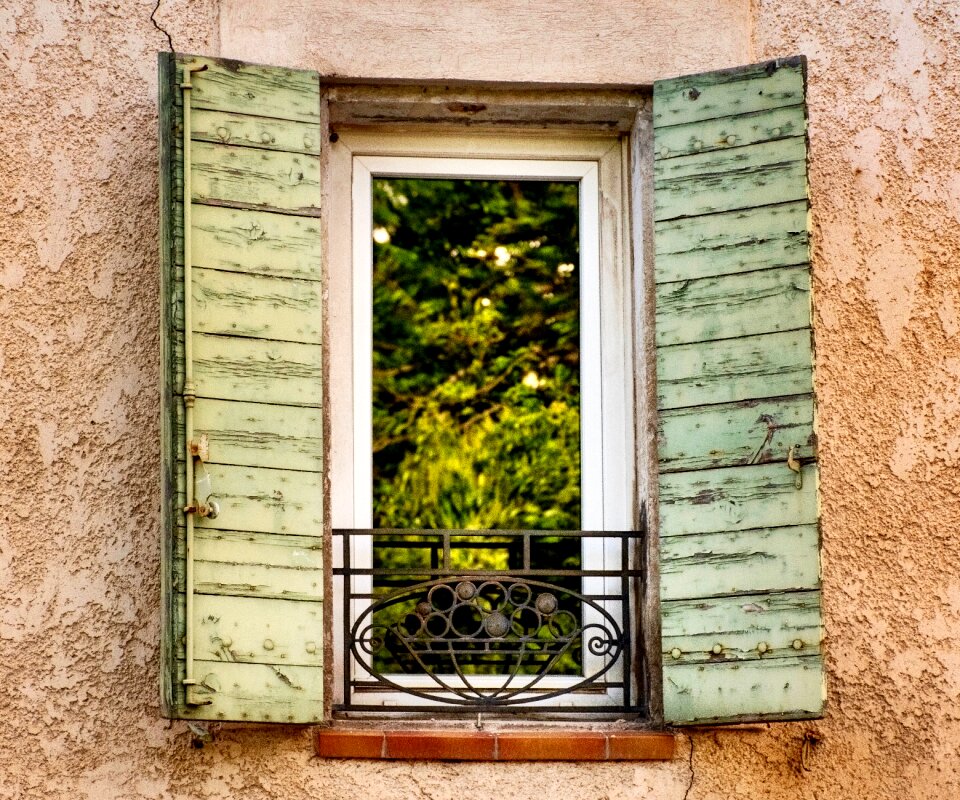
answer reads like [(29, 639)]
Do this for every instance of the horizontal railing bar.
[(486, 532), (491, 573)]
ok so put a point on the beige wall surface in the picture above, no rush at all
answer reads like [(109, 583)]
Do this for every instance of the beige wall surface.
[(79, 550)]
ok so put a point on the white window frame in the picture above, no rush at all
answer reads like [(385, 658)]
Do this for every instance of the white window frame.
[(600, 164)]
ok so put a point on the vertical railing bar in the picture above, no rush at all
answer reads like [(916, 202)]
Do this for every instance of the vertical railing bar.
[(446, 550), (626, 619), (526, 550), (347, 611)]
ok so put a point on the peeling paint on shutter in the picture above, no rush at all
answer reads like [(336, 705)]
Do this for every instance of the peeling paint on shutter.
[(740, 575), (257, 573)]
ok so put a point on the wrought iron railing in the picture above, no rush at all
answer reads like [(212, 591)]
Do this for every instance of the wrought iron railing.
[(489, 621)]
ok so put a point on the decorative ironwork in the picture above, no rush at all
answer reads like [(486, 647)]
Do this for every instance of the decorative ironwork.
[(489, 639)]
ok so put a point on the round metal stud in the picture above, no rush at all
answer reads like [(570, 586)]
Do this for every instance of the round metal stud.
[(223, 134), (311, 647), (266, 138), (268, 644), (762, 647), (226, 641), (717, 649), (798, 644), (308, 142), (676, 652), (731, 139), (546, 603), (496, 625), (775, 132)]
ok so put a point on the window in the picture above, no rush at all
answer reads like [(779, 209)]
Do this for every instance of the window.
[(603, 347), (252, 231)]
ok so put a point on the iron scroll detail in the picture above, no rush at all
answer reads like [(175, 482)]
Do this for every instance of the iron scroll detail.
[(514, 632)]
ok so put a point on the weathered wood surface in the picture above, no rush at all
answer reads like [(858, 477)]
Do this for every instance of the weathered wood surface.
[(728, 370), (243, 177), (238, 304), (765, 689), (725, 132), (261, 242), (742, 628), (735, 241), (256, 692), (254, 564), (260, 132), (742, 90), (259, 434), (737, 562), (253, 89), (256, 370), (736, 499), (736, 434), (266, 500), (257, 630), (742, 177), (733, 305)]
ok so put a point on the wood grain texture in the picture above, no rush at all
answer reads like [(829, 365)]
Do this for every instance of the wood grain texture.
[(735, 241), (736, 434), (254, 692), (742, 177), (726, 132), (729, 370), (742, 628), (736, 499), (728, 692), (733, 305), (260, 132), (256, 370), (254, 564), (245, 177), (695, 98), (237, 304), (259, 242), (240, 88), (259, 434), (736, 562)]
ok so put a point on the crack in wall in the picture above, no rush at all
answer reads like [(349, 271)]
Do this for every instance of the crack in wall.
[(693, 774), (164, 31)]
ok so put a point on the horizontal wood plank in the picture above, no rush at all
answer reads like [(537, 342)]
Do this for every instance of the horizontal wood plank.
[(254, 564), (259, 242), (239, 304), (739, 178), (259, 434), (265, 500), (729, 370), (744, 628), (725, 562), (261, 132), (765, 689), (736, 499), (254, 178), (726, 132), (241, 88), (735, 241), (733, 305), (256, 370), (256, 692), (736, 434), (257, 630), (741, 90)]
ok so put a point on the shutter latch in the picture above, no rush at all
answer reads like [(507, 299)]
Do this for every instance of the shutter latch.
[(794, 466), (203, 486)]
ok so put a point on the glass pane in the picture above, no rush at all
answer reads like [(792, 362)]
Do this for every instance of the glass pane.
[(476, 383)]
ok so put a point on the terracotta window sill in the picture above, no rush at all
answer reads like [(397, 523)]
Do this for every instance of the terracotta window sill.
[(439, 745)]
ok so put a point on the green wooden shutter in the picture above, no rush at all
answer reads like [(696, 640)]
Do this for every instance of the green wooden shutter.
[(740, 575), (255, 617)]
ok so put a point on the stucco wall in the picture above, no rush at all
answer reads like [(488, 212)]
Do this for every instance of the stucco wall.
[(79, 617)]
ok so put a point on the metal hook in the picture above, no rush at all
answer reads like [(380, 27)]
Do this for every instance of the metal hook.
[(794, 466)]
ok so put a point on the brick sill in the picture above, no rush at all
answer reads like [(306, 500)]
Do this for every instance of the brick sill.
[(531, 745)]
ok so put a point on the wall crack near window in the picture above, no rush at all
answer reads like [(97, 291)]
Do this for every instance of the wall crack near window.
[(693, 774), (164, 31)]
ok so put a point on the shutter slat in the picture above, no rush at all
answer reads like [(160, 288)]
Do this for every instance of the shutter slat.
[(736, 434), (733, 305), (729, 370), (256, 575), (741, 628), (736, 241), (738, 562), (739, 541)]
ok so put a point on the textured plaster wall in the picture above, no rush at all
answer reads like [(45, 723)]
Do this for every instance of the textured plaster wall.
[(79, 617)]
